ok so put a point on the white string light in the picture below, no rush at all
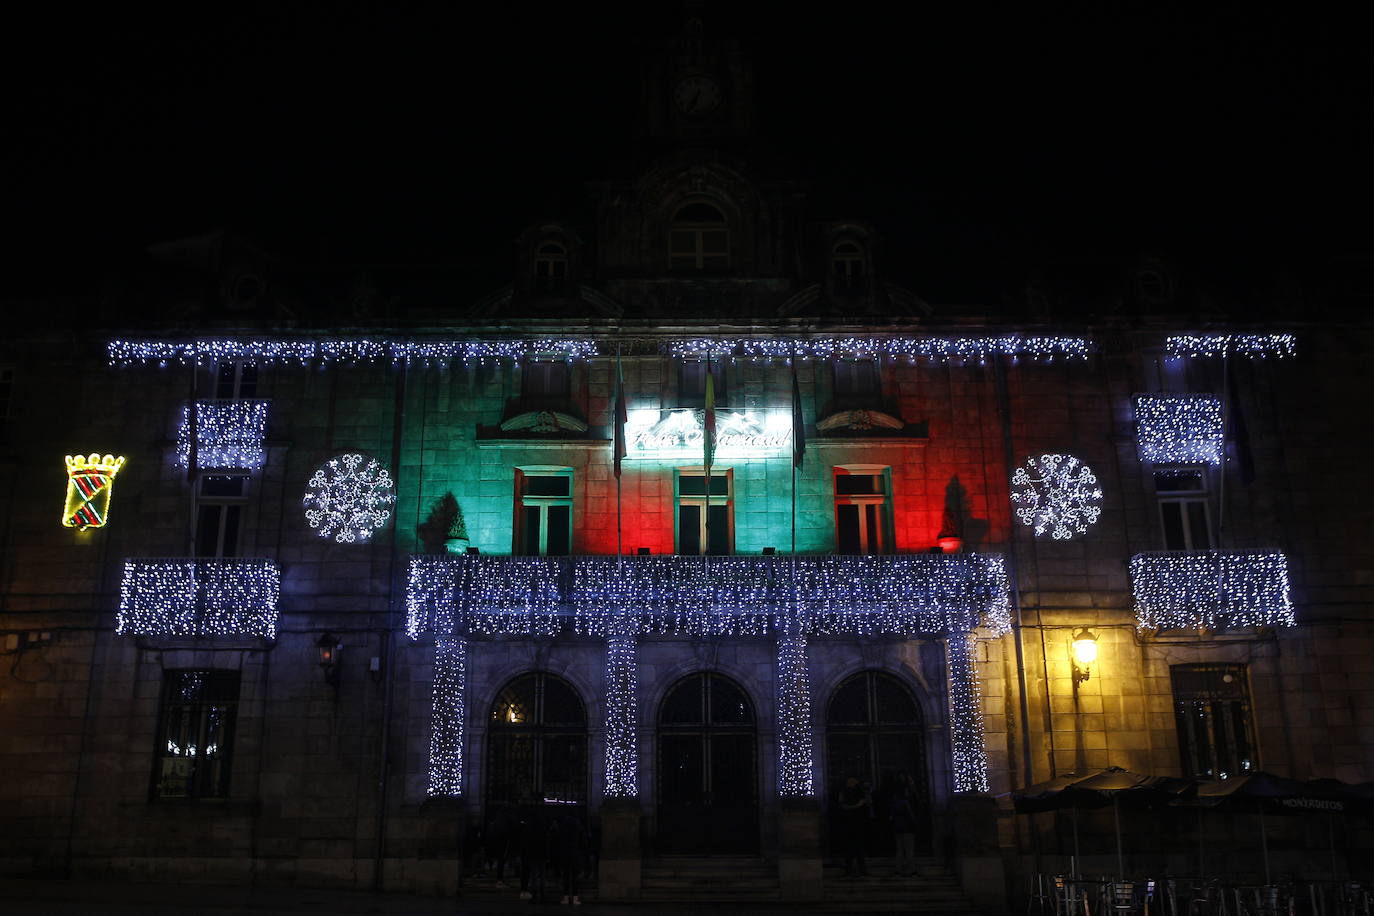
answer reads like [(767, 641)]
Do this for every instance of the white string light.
[(175, 597), (229, 434), (1057, 494), (502, 596), (968, 349), (622, 690), (1249, 346), (208, 351), (966, 716), (1211, 589), (796, 769), (448, 717), (1179, 428), (348, 499)]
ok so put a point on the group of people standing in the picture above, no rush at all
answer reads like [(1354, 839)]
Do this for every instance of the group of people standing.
[(857, 814), (542, 841)]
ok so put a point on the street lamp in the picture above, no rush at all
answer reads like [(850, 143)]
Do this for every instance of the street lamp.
[(1084, 655)]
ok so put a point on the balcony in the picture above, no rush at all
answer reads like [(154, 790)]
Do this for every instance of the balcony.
[(193, 598), (905, 595), (229, 435), (1210, 589)]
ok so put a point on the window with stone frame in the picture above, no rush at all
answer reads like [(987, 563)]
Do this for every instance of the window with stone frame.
[(543, 512), (691, 383), (1183, 507), (220, 503), (545, 380), (705, 520), (699, 239), (849, 268), (537, 743), (857, 383), (1216, 737), (236, 380), (195, 734), (551, 269), (863, 510)]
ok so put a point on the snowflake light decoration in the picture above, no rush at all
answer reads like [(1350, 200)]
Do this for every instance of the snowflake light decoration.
[(1057, 494), (349, 499)]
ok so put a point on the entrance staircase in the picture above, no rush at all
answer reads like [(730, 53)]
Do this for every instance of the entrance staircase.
[(709, 879), (931, 890)]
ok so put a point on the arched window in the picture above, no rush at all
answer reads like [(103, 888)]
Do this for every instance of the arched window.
[(875, 733), (848, 268), (537, 743), (700, 239), (707, 768), (551, 268)]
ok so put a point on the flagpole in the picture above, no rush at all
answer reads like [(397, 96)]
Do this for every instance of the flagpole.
[(792, 361), (617, 447)]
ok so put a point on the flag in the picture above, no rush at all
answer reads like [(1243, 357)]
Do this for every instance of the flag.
[(798, 422), (621, 414), (708, 436)]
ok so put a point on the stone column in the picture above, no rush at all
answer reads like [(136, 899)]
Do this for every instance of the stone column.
[(966, 716), (621, 854), (799, 828), (448, 717)]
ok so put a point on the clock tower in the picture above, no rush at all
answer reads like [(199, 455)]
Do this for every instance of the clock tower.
[(696, 90)]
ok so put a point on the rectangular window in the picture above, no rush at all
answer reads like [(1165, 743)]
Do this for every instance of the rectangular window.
[(863, 511), (195, 736), (236, 380), (705, 521), (856, 379), (219, 513), (1212, 711), (543, 524), (547, 379), (1183, 508), (691, 383)]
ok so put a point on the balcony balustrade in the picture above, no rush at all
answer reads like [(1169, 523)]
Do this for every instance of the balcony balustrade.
[(902, 595), (1211, 589), (229, 434), (183, 597)]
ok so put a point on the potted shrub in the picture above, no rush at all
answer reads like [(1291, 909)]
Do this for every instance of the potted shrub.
[(456, 538)]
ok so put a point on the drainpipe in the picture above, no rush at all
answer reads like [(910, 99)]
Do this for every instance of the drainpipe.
[(388, 636)]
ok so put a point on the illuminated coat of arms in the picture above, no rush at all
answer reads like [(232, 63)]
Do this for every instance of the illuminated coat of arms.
[(89, 482)]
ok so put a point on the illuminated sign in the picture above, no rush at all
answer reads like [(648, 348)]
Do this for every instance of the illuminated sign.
[(676, 434), (89, 482)]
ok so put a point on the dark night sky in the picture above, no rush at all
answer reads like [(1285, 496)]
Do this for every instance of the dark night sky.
[(431, 133)]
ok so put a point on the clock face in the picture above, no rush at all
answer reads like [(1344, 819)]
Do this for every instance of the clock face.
[(696, 96)]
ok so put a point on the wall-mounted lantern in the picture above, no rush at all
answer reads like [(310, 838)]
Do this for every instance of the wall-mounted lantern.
[(330, 649), (1084, 655)]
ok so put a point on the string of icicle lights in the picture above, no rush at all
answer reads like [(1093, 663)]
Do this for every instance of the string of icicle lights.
[(1211, 589), (229, 434), (622, 691), (966, 716), (204, 352), (796, 775), (1179, 428), (903, 595), (965, 349), (1249, 346), (209, 598), (447, 725)]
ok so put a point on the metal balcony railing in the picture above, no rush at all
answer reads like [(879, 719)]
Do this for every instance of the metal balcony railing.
[(186, 597), (903, 595)]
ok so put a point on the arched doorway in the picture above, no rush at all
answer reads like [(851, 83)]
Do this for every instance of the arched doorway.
[(874, 731), (537, 743), (708, 789)]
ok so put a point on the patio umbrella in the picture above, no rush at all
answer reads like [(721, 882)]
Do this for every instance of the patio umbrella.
[(1265, 792), (1097, 789)]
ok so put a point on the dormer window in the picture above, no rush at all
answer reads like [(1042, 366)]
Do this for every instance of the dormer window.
[(551, 268), (700, 239), (847, 268)]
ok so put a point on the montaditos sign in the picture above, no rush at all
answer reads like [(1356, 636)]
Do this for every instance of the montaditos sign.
[(676, 434)]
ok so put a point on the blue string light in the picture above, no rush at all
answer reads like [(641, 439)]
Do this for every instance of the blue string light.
[(209, 598), (1211, 589)]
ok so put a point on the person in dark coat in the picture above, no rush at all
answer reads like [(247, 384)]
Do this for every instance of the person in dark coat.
[(568, 847), (532, 842), (500, 832), (856, 807), (902, 812)]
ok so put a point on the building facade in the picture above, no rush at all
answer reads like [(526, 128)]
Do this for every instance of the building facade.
[(353, 588)]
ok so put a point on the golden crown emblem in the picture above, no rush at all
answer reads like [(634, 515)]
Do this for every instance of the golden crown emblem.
[(108, 465)]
